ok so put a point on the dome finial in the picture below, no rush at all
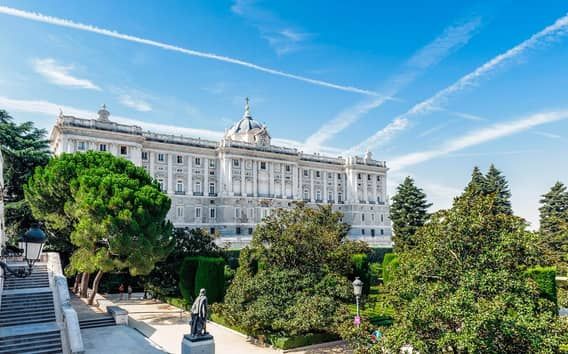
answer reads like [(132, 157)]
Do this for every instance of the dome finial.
[(247, 108)]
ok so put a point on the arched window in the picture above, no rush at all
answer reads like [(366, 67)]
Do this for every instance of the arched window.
[(198, 187)]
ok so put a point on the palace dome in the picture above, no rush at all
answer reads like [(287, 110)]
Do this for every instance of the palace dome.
[(248, 130)]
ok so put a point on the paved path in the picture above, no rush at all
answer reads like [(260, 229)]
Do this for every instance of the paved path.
[(163, 324), (117, 340)]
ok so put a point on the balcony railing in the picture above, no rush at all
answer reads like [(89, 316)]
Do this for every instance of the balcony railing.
[(212, 194), (179, 192), (198, 194)]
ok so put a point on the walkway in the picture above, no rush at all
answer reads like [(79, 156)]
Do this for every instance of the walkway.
[(165, 325)]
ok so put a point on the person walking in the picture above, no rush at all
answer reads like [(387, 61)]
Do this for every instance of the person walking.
[(121, 290), (129, 291)]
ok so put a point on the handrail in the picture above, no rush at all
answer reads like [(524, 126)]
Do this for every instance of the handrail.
[(70, 319)]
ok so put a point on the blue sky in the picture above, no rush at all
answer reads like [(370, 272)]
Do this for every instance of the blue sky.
[(434, 88)]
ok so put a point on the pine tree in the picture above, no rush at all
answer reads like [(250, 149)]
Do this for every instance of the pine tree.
[(496, 183), (408, 213), (554, 226), (477, 183), (554, 208)]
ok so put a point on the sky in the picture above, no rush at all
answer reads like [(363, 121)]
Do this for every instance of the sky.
[(433, 88)]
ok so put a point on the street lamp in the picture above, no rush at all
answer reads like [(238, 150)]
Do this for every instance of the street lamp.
[(31, 245), (357, 291)]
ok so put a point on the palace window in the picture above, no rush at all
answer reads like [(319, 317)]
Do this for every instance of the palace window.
[(339, 197), (250, 230), (262, 165), (373, 232), (197, 161), (160, 157), (211, 163), (318, 195), (236, 163), (212, 231), (212, 213), (237, 213), (329, 175), (198, 212), (81, 145), (198, 187), (179, 159), (358, 176), (179, 211), (123, 150), (102, 147), (318, 174), (378, 178), (339, 176), (329, 196), (362, 231), (238, 230), (306, 194), (368, 177), (288, 169), (381, 217), (211, 188), (179, 186), (382, 232), (145, 155), (362, 216), (161, 183)]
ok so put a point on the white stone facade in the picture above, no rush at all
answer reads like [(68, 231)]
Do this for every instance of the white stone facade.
[(231, 185), (2, 231)]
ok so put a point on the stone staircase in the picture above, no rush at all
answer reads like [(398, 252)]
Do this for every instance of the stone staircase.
[(28, 321), (105, 321)]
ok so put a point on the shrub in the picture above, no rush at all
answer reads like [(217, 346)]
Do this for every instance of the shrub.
[(187, 274), (376, 273), (545, 278), (361, 269), (378, 254), (285, 343), (390, 263), (210, 276)]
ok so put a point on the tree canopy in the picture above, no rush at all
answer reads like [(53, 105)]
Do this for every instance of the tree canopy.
[(292, 278), (492, 183), (408, 212), (554, 225), (23, 148), (114, 212), (464, 287)]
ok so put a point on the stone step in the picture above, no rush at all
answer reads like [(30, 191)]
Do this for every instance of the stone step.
[(97, 322), (34, 312), (31, 343), (27, 320)]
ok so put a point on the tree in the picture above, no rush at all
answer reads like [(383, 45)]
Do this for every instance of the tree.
[(554, 226), (23, 147), (163, 280), (408, 212), (464, 287), (292, 277), (496, 183), (115, 210), (477, 183)]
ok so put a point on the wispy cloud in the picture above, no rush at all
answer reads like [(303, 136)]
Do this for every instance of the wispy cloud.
[(477, 137), (61, 74), (281, 36), (52, 109), (545, 36), (114, 34), (450, 40), (548, 135), (135, 103)]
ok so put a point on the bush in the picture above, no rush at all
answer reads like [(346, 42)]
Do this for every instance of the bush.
[(378, 254), (232, 257), (178, 302), (390, 263), (285, 343), (187, 274), (545, 278), (210, 276), (361, 269), (376, 273)]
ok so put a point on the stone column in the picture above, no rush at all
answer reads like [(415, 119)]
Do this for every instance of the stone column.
[(312, 191), (189, 189), (324, 178), (170, 174), (295, 178), (270, 178), (364, 178), (335, 187), (205, 188), (374, 186), (151, 156), (254, 178), (243, 177)]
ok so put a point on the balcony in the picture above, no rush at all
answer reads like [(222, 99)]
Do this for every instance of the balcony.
[(212, 194), (330, 201), (179, 192), (319, 201), (381, 203), (198, 194)]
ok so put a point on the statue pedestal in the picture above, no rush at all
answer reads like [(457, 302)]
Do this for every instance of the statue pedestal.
[(198, 344)]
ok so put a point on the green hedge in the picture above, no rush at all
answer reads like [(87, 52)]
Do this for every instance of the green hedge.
[(232, 257), (390, 263), (378, 254), (202, 272), (545, 277), (361, 269), (285, 343), (177, 302)]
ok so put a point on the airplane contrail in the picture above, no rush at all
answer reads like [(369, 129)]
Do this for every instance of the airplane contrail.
[(33, 16)]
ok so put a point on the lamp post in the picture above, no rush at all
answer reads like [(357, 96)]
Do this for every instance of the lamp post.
[(30, 246), (357, 291)]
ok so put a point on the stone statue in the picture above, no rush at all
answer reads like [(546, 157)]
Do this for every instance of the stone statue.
[(198, 318)]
